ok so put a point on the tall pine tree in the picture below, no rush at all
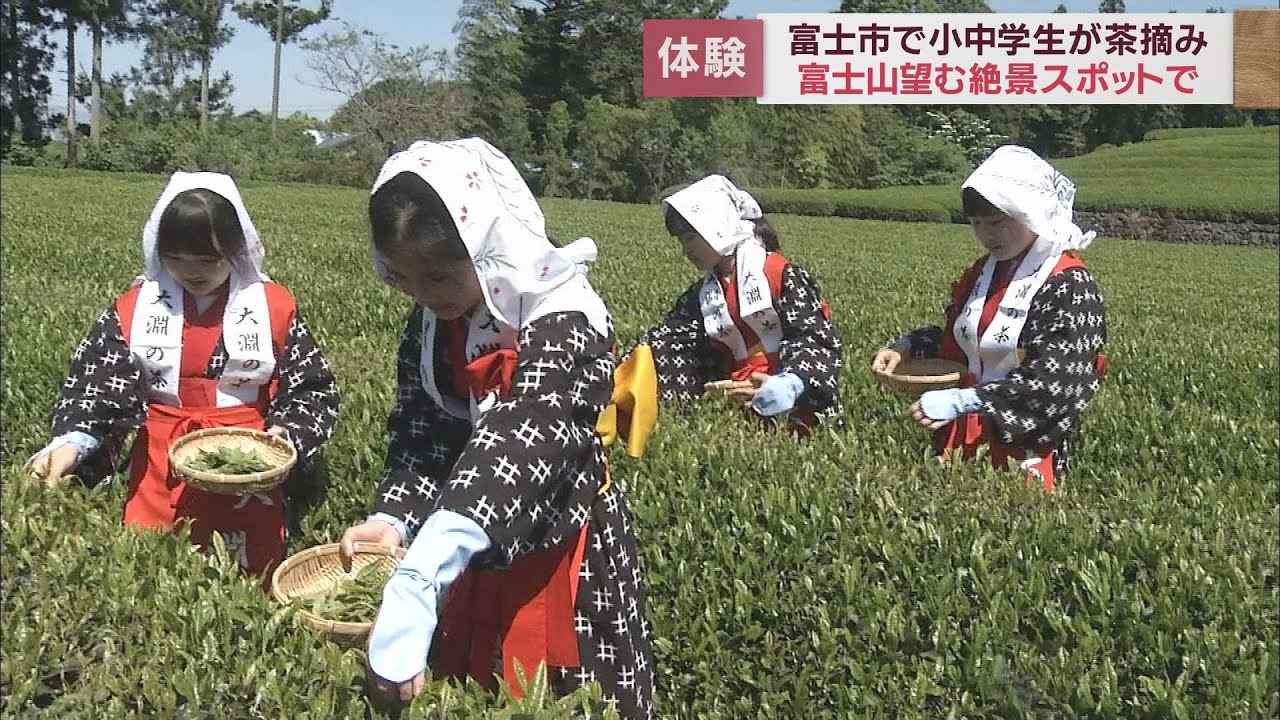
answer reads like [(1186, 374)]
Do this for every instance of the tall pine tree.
[(105, 18), (26, 58), (285, 20)]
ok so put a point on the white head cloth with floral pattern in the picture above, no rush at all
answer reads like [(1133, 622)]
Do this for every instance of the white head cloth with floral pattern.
[(1025, 187), (522, 274)]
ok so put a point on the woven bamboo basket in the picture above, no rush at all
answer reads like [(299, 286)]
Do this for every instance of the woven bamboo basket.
[(317, 570), (916, 377), (277, 451), (723, 387)]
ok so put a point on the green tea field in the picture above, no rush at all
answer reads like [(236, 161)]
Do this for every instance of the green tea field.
[(843, 577), (1222, 174)]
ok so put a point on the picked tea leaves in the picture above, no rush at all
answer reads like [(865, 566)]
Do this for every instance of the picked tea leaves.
[(356, 599), (230, 461)]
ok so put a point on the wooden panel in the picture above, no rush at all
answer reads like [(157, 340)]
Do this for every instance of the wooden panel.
[(1257, 58)]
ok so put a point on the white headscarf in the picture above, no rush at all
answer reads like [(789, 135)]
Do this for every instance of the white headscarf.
[(723, 215), (720, 211), (248, 264), (156, 332), (522, 275), (1025, 187)]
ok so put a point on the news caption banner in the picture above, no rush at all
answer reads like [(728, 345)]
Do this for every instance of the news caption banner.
[(1039, 58)]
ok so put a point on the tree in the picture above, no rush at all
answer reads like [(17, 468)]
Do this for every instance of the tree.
[(1061, 9), (285, 22), (393, 96), (630, 154), (26, 57), (550, 72), (182, 31), (1117, 124), (73, 12), (160, 86), (113, 92), (601, 144), (153, 105), (209, 35), (164, 55), (105, 17), (611, 39), (491, 63), (1111, 6), (557, 168), (577, 49)]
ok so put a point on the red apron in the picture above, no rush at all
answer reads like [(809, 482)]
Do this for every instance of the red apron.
[(526, 611), (971, 431), (775, 264), (253, 526)]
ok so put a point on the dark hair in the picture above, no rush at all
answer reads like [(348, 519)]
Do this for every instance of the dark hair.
[(408, 217), (677, 225), (767, 235), (200, 222), (975, 205)]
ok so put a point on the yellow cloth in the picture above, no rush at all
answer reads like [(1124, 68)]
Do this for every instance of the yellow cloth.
[(633, 410)]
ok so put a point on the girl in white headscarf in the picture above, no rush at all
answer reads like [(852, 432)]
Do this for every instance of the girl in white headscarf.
[(754, 316), (1026, 319), (202, 339), (520, 549)]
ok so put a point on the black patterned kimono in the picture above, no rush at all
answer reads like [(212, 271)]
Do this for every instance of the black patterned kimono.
[(686, 358), (529, 473), (103, 395), (1037, 406)]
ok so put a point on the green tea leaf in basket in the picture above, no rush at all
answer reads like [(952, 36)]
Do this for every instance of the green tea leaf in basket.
[(230, 461), (355, 599)]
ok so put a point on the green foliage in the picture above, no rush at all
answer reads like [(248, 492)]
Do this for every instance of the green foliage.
[(557, 177), (296, 19), (492, 63), (840, 577), (23, 154), (969, 132), (904, 204), (26, 57), (103, 622), (1225, 174), (239, 146)]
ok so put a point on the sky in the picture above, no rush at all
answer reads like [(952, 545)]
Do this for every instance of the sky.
[(248, 57)]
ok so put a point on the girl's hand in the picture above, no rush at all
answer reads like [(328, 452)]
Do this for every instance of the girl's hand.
[(886, 360), (370, 531), (52, 466), (916, 412), (388, 694), (744, 395), (778, 395)]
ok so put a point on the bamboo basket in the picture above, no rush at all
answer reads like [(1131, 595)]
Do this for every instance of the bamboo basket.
[(277, 451), (916, 377), (317, 570)]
